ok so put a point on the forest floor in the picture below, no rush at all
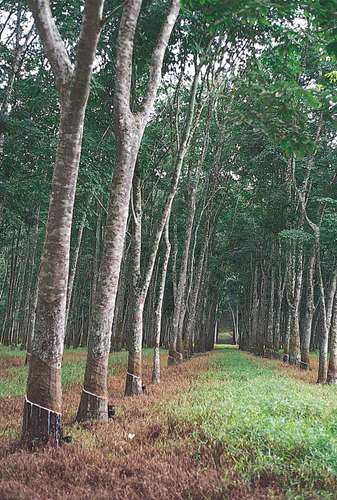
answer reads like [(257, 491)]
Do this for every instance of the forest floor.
[(222, 425)]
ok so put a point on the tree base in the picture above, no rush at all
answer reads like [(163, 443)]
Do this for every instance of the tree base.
[(156, 366), (133, 385), (92, 407), (294, 360), (171, 360), (332, 379), (174, 358), (268, 353), (41, 426)]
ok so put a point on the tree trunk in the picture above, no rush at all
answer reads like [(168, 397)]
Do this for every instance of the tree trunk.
[(193, 300), (262, 312), (270, 325), (332, 369), (294, 340), (42, 418), (129, 129), (133, 385), (94, 398), (73, 267), (309, 312), (324, 332), (255, 311), (156, 351), (280, 294)]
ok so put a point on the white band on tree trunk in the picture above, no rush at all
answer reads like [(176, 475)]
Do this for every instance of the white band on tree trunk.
[(134, 376), (42, 407), (95, 395)]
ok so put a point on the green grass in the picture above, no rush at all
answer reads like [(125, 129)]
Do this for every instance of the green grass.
[(270, 429), (14, 383)]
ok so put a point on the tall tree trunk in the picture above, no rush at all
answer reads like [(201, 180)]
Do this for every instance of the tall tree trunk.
[(330, 295), (193, 300), (270, 325), (159, 308), (282, 280), (31, 281), (332, 369), (42, 416), (141, 291), (262, 311), (294, 340), (129, 129), (178, 311), (309, 312), (255, 311), (73, 266), (134, 374)]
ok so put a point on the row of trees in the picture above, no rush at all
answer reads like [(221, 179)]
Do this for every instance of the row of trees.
[(287, 295), (160, 207)]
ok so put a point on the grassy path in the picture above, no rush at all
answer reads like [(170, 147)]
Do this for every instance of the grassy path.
[(224, 425), (268, 429)]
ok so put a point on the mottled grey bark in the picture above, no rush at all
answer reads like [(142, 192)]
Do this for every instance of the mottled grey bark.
[(309, 311), (137, 300), (120, 313), (31, 323), (96, 259), (270, 324), (158, 312), (29, 299), (324, 332), (193, 299), (176, 345), (286, 336), (332, 368), (42, 420), (294, 303), (235, 325), (129, 129), (74, 263), (324, 323), (290, 291), (330, 295), (325, 305), (255, 310), (261, 328), (180, 301), (281, 284)]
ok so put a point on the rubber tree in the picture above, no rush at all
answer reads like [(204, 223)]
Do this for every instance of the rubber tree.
[(42, 415), (159, 308), (332, 368), (309, 311), (129, 128), (133, 384)]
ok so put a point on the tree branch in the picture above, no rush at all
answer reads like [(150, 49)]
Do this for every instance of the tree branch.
[(86, 49), (52, 42), (157, 59), (126, 36)]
